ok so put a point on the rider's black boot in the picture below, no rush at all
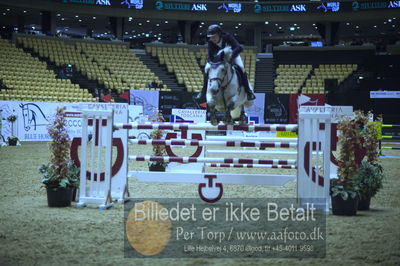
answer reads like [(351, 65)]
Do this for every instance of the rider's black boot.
[(202, 94), (250, 94)]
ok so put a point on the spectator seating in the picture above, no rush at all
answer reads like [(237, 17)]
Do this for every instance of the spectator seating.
[(127, 69), (290, 78), (316, 83), (182, 63), (303, 78), (188, 64), (111, 65), (28, 79)]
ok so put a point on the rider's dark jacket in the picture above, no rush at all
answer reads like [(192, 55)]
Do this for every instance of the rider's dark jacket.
[(227, 39)]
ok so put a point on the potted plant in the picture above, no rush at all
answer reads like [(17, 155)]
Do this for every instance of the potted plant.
[(369, 180), (344, 196), (158, 150), (60, 176), (343, 190), (12, 140), (370, 176)]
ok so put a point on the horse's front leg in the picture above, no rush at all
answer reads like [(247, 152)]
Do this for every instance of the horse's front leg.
[(211, 115), (242, 117), (228, 118), (211, 111)]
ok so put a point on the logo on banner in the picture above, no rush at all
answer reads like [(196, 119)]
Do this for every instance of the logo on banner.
[(270, 8), (136, 100), (103, 2), (355, 6), (138, 4), (394, 4), (235, 7), (177, 118), (276, 110), (303, 99), (251, 120), (298, 8), (33, 116), (160, 5), (89, 2), (333, 6)]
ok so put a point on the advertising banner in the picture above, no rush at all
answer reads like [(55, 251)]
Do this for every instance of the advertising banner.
[(34, 117), (276, 108), (298, 100), (147, 99)]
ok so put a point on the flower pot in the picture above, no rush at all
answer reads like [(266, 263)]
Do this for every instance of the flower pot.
[(157, 168), (12, 142), (59, 197), (363, 204), (344, 207)]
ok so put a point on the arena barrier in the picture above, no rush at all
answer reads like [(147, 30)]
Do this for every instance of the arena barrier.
[(381, 143), (312, 164)]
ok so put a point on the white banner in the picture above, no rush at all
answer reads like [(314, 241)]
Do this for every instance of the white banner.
[(136, 115), (385, 94), (147, 99), (337, 112), (256, 111), (34, 117)]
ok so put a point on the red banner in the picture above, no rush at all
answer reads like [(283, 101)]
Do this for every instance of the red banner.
[(297, 100), (107, 98)]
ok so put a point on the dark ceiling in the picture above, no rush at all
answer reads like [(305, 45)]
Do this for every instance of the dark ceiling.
[(78, 24)]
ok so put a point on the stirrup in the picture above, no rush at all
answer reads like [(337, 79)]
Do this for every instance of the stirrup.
[(251, 96), (199, 96)]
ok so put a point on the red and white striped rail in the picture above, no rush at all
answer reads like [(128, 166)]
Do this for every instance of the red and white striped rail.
[(230, 165), (210, 160), (192, 142), (252, 151), (207, 127)]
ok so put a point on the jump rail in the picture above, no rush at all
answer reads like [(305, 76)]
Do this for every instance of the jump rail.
[(201, 143), (207, 127)]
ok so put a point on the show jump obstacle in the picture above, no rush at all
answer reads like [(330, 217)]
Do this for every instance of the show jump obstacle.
[(103, 181), (391, 138)]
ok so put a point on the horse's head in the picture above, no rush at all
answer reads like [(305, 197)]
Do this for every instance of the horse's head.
[(26, 116), (216, 76)]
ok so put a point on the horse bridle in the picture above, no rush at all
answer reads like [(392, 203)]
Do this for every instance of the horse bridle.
[(220, 80)]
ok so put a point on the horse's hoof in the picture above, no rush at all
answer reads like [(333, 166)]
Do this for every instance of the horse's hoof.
[(214, 121), (242, 120), (228, 121)]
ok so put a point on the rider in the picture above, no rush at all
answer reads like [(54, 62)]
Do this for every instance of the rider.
[(218, 40)]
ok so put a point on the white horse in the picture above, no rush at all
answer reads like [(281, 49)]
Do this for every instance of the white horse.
[(224, 91)]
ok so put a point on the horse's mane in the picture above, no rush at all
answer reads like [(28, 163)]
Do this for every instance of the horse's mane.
[(218, 60), (228, 53)]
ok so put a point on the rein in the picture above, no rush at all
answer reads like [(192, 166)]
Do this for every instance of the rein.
[(220, 80)]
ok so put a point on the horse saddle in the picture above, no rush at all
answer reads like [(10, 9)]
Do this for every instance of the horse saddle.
[(239, 73)]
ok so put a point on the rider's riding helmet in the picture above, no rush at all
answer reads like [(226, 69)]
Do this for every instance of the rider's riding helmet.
[(213, 30)]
